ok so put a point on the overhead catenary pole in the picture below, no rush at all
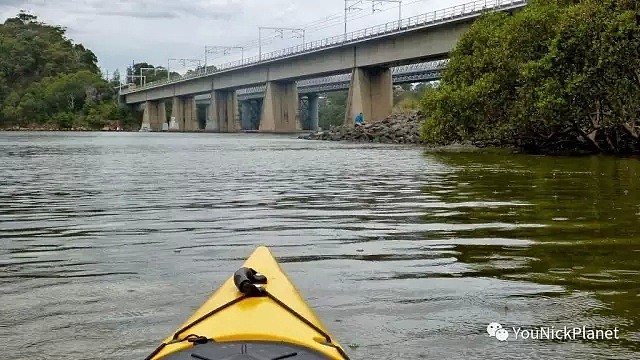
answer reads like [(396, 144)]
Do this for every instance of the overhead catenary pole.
[(348, 8), (142, 79), (143, 69), (259, 44), (182, 62), (355, 3), (298, 32), (399, 2), (225, 50), (131, 72)]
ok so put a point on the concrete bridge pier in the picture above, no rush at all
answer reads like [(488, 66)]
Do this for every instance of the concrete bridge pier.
[(176, 115), (245, 115), (213, 123), (183, 114), (190, 114), (370, 93), (223, 111), (314, 112), (250, 111), (154, 116), (161, 119), (308, 108), (147, 114), (210, 124), (303, 112), (280, 108)]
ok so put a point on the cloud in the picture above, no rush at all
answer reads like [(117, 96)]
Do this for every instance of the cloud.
[(142, 9), (141, 15), (120, 31)]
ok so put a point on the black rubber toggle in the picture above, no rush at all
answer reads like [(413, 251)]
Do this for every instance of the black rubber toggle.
[(247, 280), (197, 339)]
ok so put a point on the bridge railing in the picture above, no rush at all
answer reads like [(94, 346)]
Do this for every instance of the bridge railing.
[(427, 19)]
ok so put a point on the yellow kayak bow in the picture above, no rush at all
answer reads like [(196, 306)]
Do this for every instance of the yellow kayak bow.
[(256, 314)]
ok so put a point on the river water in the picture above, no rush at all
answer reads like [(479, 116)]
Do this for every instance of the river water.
[(109, 241)]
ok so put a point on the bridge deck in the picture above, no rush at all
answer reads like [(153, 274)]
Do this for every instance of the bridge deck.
[(254, 71)]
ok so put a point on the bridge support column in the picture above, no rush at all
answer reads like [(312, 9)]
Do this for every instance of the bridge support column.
[(246, 115), (177, 118), (213, 122), (153, 116), (370, 93), (190, 114), (280, 108), (314, 111), (161, 118), (147, 114), (251, 112), (183, 114), (223, 111)]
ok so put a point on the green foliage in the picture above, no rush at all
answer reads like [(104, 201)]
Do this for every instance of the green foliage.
[(332, 109), (64, 120), (407, 96), (76, 94), (146, 72), (553, 77), (46, 79), (30, 51)]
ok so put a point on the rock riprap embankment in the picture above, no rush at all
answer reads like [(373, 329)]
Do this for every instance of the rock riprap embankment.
[(399, 128)]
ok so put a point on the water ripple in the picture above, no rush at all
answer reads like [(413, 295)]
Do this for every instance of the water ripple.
[(110, 241)]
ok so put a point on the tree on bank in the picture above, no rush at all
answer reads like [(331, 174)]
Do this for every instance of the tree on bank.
[(136, 72), (48, 81), (559, 76)]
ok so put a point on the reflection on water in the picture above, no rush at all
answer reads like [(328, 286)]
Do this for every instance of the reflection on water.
[(109, 241)]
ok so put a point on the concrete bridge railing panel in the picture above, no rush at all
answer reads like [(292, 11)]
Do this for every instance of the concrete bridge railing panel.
[(327, 62), (233, 80), (411, 47), (194, 87)]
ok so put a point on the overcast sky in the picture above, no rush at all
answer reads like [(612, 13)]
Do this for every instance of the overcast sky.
[(122, 31)]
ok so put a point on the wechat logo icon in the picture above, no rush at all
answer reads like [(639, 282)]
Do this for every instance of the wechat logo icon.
[(495, 330)]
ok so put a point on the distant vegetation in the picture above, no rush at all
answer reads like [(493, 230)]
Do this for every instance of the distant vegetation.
[(559, 76), (144, 73), (47, 81), (332, 109), (407, 96)]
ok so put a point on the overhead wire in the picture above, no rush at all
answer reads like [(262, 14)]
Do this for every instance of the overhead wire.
[(319, 24)]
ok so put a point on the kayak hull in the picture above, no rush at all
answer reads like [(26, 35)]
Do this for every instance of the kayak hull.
[(255, 327)]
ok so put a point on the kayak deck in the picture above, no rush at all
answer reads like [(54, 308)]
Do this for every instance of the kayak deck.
[(247, 351), (278, 324)]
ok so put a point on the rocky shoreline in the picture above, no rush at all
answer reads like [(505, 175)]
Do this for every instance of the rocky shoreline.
[(399, 128)]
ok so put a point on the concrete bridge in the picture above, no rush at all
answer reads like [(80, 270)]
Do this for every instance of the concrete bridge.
[(368, 54), (251, 100)]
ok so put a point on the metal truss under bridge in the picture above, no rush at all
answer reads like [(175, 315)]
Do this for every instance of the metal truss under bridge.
[(421, 72)]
